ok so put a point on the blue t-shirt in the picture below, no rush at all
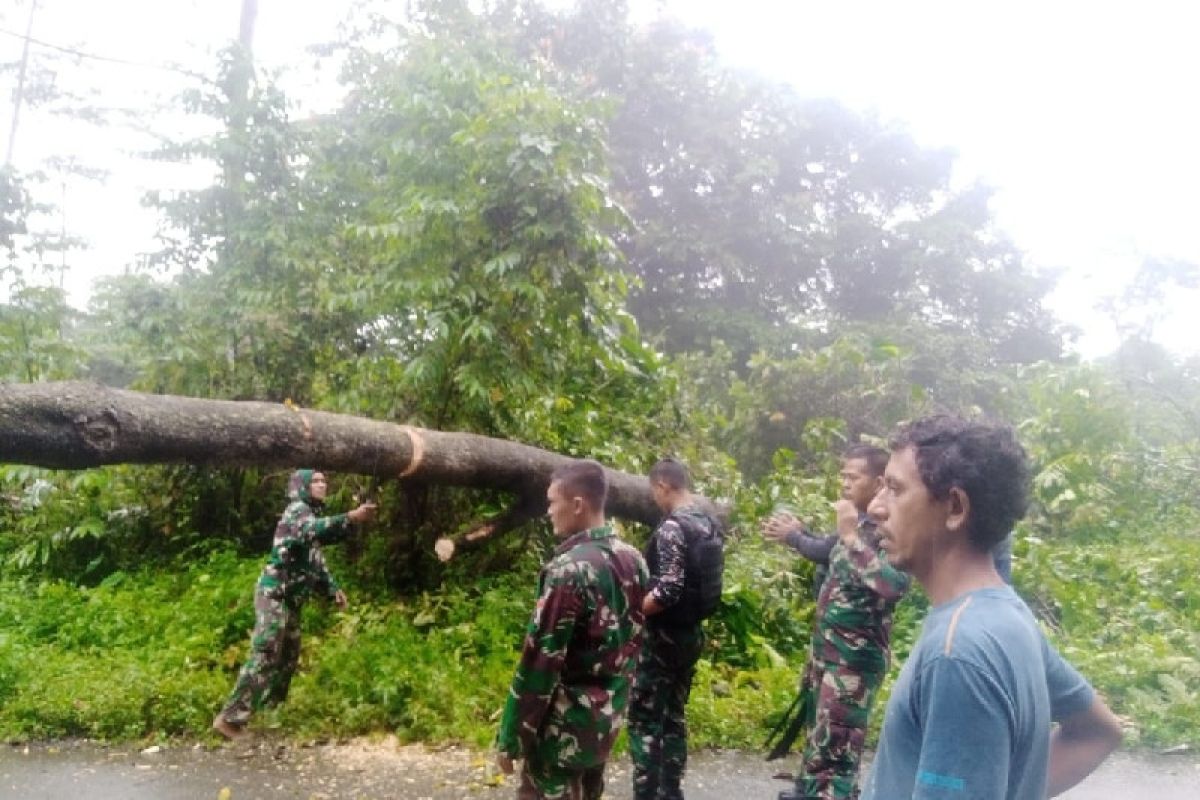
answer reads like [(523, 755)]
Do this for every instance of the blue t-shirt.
[(969, 717)]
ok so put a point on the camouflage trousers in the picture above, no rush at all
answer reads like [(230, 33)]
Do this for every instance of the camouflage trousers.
[(657, 721), (543, 779), (274, 654), (840, 703)]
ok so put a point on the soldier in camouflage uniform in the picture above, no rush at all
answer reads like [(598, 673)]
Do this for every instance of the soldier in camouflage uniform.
[(850, 647), (295, 569), (674, 640), (571, 687)]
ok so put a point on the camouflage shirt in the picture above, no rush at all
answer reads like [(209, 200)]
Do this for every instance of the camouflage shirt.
[(296, 566), (671, 548), (854, 610), (571, 687)]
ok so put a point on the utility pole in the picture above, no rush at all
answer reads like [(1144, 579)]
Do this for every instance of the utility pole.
[(20, 93), (237, 94), (246, 27)]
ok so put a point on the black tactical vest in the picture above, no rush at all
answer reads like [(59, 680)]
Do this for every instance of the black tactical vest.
[(704, 563)]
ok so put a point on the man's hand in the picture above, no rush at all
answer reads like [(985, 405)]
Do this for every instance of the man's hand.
[(364, 513), (847, 521), (779, 525), (339, 600), (505, 763), (650, 605), (1079, 744)]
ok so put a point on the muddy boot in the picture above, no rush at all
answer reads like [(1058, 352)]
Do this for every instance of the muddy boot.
[(228, 729)]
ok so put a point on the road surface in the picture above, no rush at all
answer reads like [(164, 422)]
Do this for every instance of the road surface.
[(272, 770)]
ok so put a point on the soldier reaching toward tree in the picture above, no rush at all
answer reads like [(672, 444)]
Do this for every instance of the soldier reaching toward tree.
[(295, 569), (849, 654), (571, 687)]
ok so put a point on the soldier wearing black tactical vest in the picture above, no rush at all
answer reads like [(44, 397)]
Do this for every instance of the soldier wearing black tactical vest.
[(686, 558)]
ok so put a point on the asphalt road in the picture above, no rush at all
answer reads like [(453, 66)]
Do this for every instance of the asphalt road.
[(267, 770)]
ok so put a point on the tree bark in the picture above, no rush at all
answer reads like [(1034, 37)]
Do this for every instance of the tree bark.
[(77, 425)]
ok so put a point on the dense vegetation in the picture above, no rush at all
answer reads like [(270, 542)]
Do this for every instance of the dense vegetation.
[(563, 229)]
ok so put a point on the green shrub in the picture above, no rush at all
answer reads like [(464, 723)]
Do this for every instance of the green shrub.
[(153, 653)]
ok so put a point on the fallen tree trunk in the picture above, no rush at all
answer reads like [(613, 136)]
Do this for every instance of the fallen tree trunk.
[(77, 425)]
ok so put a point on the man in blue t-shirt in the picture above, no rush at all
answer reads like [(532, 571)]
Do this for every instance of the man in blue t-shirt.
[(972, 714)]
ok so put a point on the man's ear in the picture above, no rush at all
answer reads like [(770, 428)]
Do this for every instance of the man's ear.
[(577, 505), (958, 510), (877, 485)]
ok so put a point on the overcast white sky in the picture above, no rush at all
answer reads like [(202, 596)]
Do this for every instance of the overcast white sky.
[(1083, 116)]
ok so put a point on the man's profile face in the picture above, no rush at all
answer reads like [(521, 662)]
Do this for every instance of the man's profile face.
[(661, 492), (858, 484), (564, 512), (910, 520)]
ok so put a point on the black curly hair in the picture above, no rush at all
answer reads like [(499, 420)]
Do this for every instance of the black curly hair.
[(983, 460)]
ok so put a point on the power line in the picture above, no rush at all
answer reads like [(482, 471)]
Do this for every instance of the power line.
[(110, 59), (20, 93)]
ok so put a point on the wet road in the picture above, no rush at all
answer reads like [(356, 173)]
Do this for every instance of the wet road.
[(267, 770)]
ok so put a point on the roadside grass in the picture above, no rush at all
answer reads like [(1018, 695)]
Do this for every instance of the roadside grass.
[(152, 654)]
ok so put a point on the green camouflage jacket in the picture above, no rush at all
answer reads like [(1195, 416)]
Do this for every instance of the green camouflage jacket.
[(296, 566), (571, 687), (854, 610)]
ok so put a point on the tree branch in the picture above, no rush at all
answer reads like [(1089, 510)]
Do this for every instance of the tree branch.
[(524, 510)]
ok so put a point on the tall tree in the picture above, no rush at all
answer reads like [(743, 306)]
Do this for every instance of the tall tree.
[(476, 228), (240, 318), (756, 209), (437, 251), (35, 319)]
